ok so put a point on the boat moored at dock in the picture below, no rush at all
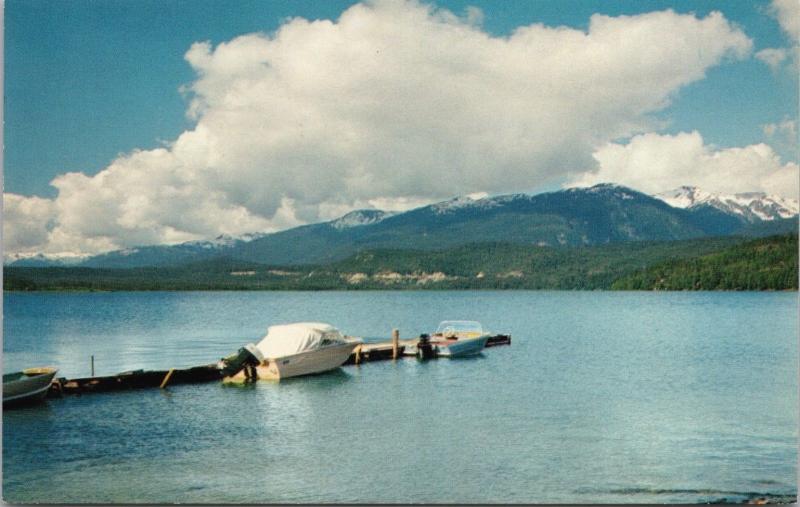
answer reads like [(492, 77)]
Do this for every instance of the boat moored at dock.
[(286, 351), (292, 350), (27, 386), (458, 338), (452, 338)]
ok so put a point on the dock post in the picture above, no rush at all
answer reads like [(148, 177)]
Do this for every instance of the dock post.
[(92, 365), (395, 342), (167, 377)]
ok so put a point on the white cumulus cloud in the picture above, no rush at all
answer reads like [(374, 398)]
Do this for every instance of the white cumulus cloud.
[(773, 57), (394, 103), (656, 163), (26, 221), (783, 136), (787, 13), (787, 128)]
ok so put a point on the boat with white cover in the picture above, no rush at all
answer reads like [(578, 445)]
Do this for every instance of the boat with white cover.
[(302, 348)]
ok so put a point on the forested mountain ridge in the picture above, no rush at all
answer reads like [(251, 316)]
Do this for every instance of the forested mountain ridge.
[(764, 264), (598, 215), (729, 263)]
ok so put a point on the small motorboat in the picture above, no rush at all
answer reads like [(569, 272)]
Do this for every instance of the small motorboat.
[(292, 350), (27, 385), (457, 338), (453, 338)]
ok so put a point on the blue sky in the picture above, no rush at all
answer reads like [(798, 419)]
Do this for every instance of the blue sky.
[(102, 153), (87, 80)]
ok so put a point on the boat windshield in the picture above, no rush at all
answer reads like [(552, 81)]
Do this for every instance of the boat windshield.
[(464, 328), (332, 338)]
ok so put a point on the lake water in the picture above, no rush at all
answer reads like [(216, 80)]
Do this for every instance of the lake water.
[(602, 397)]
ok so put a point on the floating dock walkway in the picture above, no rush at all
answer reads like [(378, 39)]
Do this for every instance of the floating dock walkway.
[(382, 351), (142, 379)]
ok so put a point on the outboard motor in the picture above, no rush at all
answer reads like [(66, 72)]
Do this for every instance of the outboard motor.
[(249, 355), (424, 348)]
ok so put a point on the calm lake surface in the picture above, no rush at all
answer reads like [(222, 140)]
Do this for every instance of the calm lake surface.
[(602, 397)]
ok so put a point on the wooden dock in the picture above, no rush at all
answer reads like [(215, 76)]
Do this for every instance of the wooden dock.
[(141, 379), (382, 351), (137, 379)]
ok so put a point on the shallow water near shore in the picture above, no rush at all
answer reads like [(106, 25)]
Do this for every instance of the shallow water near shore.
[(602, 397)]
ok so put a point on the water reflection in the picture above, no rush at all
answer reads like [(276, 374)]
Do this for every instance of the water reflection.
[(599, 394)]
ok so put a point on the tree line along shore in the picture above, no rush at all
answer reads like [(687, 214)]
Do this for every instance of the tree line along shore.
[(724, 263)]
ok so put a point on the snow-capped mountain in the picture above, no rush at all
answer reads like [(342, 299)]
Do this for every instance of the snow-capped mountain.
[(360, 217), (752, 206), (223, 240), (601, 214), (482, 202), (608, 189), (41, 259), (477, 200)]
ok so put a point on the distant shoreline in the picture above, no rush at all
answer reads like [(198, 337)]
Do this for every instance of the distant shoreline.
[(388, 289), (710, 264)]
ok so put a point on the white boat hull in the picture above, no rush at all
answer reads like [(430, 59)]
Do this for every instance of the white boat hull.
[(304, 363), (461, 347)]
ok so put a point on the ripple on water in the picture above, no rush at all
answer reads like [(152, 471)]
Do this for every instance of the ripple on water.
[(602, 397)]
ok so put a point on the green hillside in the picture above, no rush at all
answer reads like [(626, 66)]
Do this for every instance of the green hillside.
[(508, 266), (704, 264), (764, 264)]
